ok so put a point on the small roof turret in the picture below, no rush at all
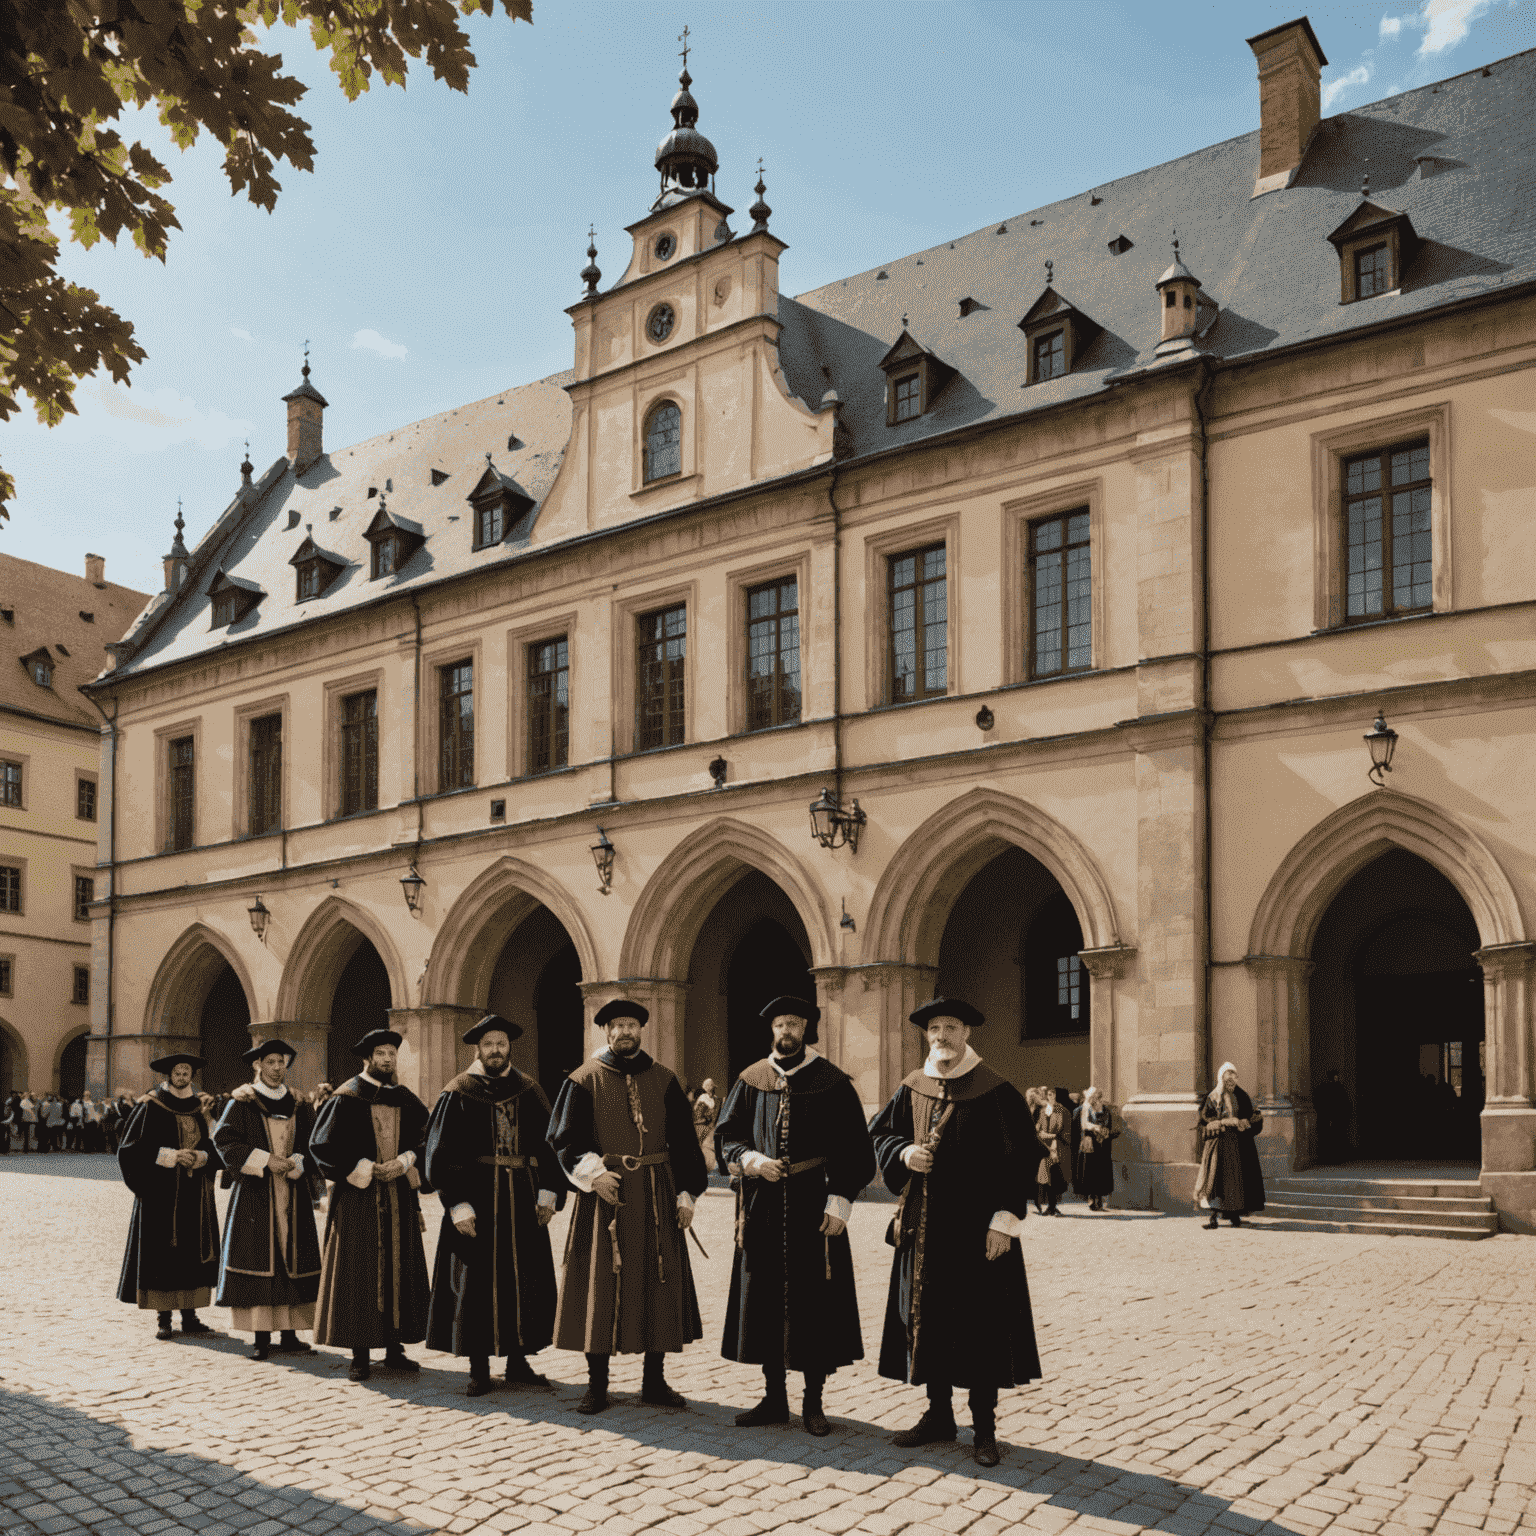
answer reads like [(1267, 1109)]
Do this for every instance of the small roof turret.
[(685, 158)]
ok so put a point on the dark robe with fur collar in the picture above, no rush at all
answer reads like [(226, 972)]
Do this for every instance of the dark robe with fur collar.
[(1231, 1179), (792, 1298), (493, 1293), (952, 1316)]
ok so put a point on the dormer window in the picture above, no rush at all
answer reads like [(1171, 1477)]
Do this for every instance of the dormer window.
[(1057, 334), (1375, 246), (909, 397), (316, 570), (913, 379), (1048, 356), (392, 540), (385, 557), (39, 667), (232, 599), (500, 507)]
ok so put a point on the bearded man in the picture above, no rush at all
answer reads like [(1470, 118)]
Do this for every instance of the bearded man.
[(168, 1160), (369, 1137), (794, 1125), (957, 1145), (623, 1131), (493, 1287), (270, 1262)]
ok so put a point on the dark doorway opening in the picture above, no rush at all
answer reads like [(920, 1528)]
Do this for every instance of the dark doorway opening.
[(226, 1034), (536, 986), (9, 1065), (558, 1011), (72, 1068), (361, 1003), (766, 963)]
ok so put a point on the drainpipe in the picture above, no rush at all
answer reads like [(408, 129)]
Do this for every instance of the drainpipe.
[(1207, 383), (111, 724), (837, 635)]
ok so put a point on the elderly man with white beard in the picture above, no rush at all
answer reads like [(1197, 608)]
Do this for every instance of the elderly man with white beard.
[(956, 1144)]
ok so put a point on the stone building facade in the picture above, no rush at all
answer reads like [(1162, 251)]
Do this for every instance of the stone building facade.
[(1062, 569)]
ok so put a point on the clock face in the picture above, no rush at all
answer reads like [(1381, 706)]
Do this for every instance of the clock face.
[(665, 246), (659, 326)]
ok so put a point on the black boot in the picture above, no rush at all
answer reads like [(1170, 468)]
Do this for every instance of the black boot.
[(937, 1424), (1213, 1223), (360, 1369), (811, 1416), (774, 1408), (396, 1359), (290, 1344), (1235, 1220), (191, 1323), (163, 1325), (521, 1374), (983, 1401), (479, 1376), (263, 1346), (653, 1384), (595, 1399)]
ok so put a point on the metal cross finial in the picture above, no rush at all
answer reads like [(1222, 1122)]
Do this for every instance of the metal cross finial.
[(1175, 245), (179, 523), (1365, 179), (306, 357), (682, 37), (487, 458), (1050, 273)]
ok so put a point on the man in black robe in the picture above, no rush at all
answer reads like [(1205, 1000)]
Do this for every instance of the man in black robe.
[(957, 1145), (168, 1160), (369, 1137), (493, 1286), (270, 1262), (623, 1131), (794, 1125)]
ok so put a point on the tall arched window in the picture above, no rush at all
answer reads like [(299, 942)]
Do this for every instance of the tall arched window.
[(663, 443)]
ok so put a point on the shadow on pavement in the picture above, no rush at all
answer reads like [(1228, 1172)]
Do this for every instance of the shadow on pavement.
[(64, 1469), (63, 1165)]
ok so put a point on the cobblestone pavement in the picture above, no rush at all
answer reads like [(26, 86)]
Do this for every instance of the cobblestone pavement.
[(1231, 1381)]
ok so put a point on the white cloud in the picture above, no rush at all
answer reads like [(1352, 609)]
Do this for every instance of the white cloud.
[(1392, 25), (242, 334), (1447, 22), (371, 341), (146, 421), (1359, 75)]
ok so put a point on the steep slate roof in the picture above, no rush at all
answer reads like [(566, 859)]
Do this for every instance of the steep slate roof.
[(46, 607), (1458, 157)]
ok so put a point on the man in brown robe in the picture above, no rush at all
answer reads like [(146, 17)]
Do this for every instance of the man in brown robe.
[(369, 1137), (623, 1131)]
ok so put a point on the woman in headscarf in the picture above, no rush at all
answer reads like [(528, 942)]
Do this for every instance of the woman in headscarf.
[(1231, 1183), (1051, 1129), (1093, 1168)]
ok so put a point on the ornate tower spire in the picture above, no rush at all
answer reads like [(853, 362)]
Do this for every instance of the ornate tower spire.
[(760, 210), (685, 158), (590, 274), (178, 545)]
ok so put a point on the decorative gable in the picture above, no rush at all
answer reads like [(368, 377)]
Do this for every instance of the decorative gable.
[(1058, 333), (914, 377), (394, 540), (1376, 244), (316, 569), (501, 507), (233, 597)]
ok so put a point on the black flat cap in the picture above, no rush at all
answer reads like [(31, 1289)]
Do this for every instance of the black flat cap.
[(269, 1048), (472, 1035), (175, 1059), (948, 1008), (374, 1039), (795, 1007), (620, 1008)]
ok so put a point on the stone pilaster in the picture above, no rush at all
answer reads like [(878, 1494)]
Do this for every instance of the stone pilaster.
[(1509, 1115), (1105, 967), (129, 1056), (1283, 1091), (880, 1046), (429, 1045)]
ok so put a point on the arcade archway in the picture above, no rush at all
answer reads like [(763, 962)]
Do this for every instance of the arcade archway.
[(13, 1061), (201, 994), (536, 984), (72, 1066)]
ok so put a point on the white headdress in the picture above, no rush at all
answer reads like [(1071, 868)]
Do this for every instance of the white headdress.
[(1226, 1067)]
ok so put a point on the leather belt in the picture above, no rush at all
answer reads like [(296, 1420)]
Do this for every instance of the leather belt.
[(623, 1162), (509, 1162), (805, 1167)]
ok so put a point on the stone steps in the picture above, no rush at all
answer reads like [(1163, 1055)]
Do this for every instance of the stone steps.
[(1445, 1208)]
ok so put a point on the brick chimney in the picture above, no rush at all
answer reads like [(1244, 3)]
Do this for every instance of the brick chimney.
[(1290, 100), (306, 414), (96, 570)]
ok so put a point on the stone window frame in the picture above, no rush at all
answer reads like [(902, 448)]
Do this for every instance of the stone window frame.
[(550, 627), (448, 653), (80, 872), (1018, 514), (17, 862), (336, 689), (22, 761), (1329, 450), (626, 615), (879, 549), (76, 988), (164, 736), (8, 973), (274, 704), (82, 777), (738, 583)]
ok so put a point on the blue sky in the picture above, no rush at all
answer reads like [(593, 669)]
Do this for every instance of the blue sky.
[(431, 255)]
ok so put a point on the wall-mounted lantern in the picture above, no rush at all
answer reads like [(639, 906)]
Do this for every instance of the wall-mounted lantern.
[(410, 886), (603, 855), (258, 915), (833, 824), (1382, 740)]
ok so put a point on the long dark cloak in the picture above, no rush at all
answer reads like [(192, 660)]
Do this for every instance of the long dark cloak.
[(373, 1267), (173, 1235), (792, 1299), (257, 1268), (1093, 1173), (953, 1316), (493, 1293), (1231, 1179)]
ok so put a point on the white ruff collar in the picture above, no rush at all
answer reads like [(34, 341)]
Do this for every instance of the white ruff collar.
[(811, 1054), (268, 1093), (967, 1063)]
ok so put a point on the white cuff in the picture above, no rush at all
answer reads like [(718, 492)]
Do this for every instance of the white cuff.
[(297, 1171), (684, 1200), (165, 1157), (590, 1167), (199, 1159), (547, 1198), (1007, 1223), (839, 1207), (906, 1153), (407, 1160), (361, 1176), (457, 1213), (256, 1162), (753, 1163)]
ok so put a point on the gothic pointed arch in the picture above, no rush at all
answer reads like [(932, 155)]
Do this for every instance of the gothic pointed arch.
[(319, 954), (1316, 869), (191, 965), (16, 1049), (694, 876), (912, 902), (490, 909)]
